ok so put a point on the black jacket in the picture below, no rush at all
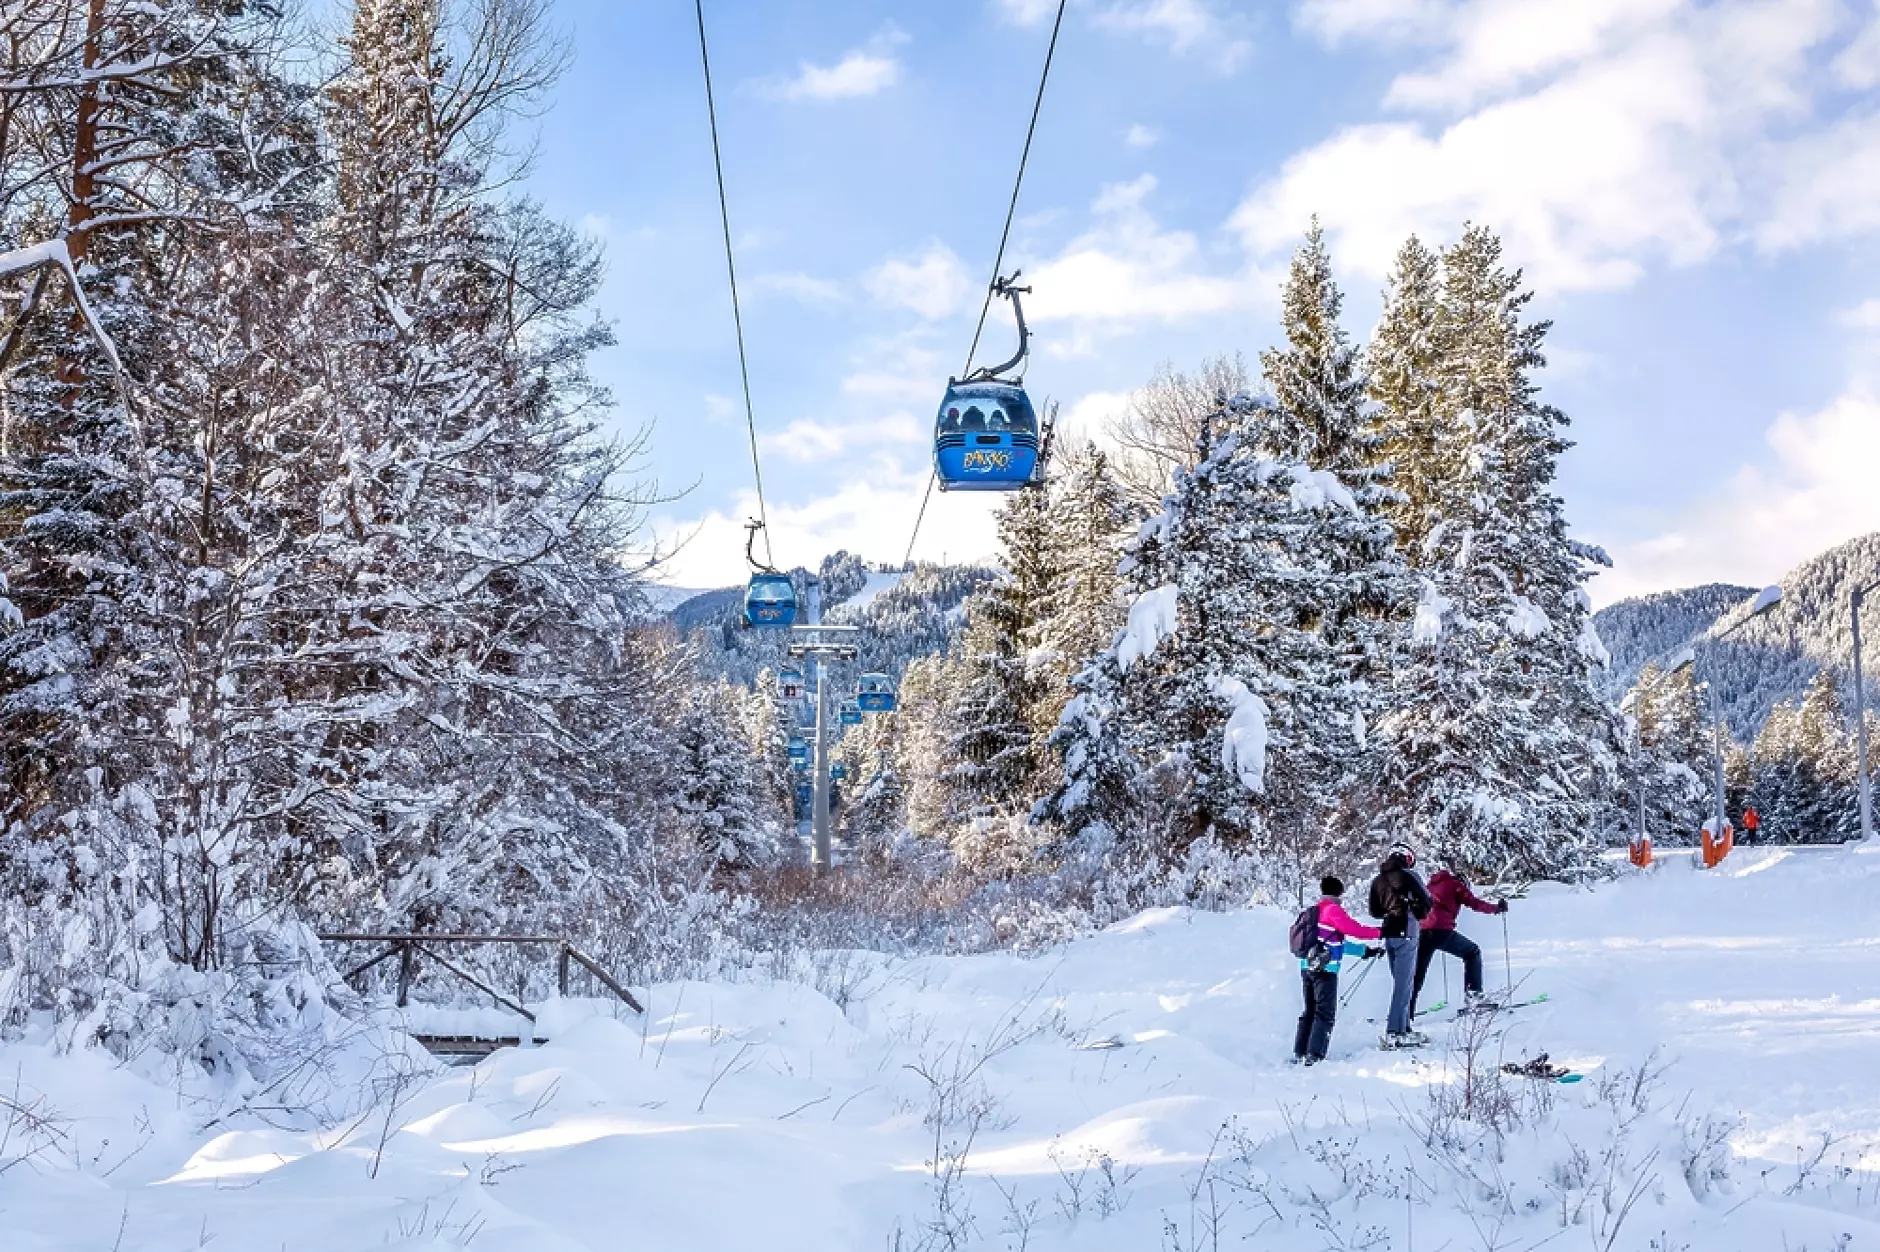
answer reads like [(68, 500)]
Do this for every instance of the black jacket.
[(1397, 895)]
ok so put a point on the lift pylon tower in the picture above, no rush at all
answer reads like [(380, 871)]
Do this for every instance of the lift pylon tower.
[(819, 643)]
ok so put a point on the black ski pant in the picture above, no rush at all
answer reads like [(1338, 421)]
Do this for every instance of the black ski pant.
[(1456, 945), (1315, 1024)]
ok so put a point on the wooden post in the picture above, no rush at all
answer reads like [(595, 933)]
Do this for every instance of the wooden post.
[(561, 971), (407, 965)]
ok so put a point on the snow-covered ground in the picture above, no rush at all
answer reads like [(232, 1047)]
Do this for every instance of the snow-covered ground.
[(973, 1103)]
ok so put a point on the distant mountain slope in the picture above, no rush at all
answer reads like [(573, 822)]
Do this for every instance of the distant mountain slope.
[(1637, 630), (903, 615), (1772, 658)]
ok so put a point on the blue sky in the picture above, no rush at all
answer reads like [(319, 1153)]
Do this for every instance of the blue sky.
[(1693, 189)]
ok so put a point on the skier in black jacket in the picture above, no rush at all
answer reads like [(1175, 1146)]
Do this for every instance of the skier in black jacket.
[(1399, 901)]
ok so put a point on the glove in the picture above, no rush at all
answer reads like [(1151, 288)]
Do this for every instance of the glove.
[(1501, 906), (1371, 954)]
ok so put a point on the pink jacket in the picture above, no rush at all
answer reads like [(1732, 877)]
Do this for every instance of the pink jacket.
[(1335, 924), (1448, 894)]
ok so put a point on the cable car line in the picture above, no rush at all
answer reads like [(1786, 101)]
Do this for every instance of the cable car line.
[(1011, 209), (737, 316), (998, 285)]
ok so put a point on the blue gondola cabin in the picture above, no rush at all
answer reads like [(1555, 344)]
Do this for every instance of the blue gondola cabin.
[(986, 438), (876, 694), (770, 601)]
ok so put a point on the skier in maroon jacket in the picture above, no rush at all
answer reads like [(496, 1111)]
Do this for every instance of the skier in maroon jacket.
[(1448, 894)]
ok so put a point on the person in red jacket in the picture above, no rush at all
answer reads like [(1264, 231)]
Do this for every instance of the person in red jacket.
[(1448, 894)]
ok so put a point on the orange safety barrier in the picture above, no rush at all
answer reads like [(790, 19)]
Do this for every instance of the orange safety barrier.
[(1640, 852), (1714, 850)]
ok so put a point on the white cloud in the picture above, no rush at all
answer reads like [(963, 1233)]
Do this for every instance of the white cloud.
[(1089, 417), (1140, 136), (814, 439), (1863, 316), (1597, 137), (803, 288), (1128, 269), (1826, 185), (1813, 490), (931, 282), (1335, 21), (1186, 26), (1026, 12), (864, 71), (1858, 65)]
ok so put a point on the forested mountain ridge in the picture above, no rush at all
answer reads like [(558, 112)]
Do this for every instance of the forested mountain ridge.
[(1771, 659), (904, 615)]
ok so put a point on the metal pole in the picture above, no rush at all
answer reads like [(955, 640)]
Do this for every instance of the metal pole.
[(819, 760), (1860, 728)]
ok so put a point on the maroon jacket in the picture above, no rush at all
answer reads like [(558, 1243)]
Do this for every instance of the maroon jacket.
[(1448, 894)]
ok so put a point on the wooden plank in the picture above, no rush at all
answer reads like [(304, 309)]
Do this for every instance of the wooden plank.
[(606, 978), (487, 990)]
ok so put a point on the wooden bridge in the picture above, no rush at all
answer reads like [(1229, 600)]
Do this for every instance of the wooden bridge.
[(410, 948)]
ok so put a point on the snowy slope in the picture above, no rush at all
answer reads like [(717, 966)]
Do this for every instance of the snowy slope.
[(781, 1117), (879, 582)]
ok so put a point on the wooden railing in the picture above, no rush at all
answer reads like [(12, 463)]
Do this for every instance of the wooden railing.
[(409, 947)]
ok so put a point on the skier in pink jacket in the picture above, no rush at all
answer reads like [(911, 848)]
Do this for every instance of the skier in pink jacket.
[(1449, 894), (1319, 975)]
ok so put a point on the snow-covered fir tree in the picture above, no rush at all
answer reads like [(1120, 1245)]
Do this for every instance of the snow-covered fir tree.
[(721, 796), (1675, 762), (1802, 769), (1501, 752), (1407, 423), (992, 751), (1090, 522)]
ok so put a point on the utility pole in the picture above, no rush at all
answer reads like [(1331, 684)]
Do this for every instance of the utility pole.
[(1860, 722), (818, 643)]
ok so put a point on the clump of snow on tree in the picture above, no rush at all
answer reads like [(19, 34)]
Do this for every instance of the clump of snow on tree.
[(1152, 618), (1244, 738)]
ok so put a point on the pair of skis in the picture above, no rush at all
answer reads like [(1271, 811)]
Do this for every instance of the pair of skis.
[(1541, 1069), (1430, 1012)]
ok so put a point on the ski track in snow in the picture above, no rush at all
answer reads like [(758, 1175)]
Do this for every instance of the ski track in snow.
[(764, 1115)]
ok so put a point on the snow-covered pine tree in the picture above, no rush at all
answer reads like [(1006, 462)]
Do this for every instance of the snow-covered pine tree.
[(720, 791), (1231, 704), (1503, 755), (1675, 761), (1403, 360), (767, 721), (922, 731), (1090, 522), (1803, 769), (148, 544), (495, 744), (993, 758)]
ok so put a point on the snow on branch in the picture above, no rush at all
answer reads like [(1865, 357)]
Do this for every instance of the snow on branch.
[(53, 253), (1244, 738), (1152, 618)]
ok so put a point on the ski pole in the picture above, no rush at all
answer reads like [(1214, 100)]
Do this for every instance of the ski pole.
[(1507, 962), (1357, 982)]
